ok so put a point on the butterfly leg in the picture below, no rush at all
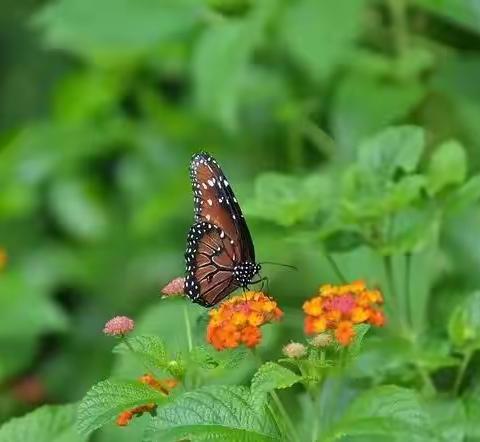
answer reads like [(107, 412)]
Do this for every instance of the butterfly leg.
[(264, 281)]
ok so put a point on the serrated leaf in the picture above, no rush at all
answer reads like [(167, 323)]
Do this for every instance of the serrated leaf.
[(214, 412), (355, 347), (389, 412), (150, 348), (209, 358), (270, 376), (448, 417), (448, 166), (50, 423), (105, 400), (395, 148)]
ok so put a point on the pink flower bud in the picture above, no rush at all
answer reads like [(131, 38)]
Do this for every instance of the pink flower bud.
[(119, 325), (174, 287)]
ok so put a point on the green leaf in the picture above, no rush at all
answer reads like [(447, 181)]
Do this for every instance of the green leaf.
[(105, 400), (365, 104), (448, 166), (115, 30), (355, 347), (78, 208), (387, 412), (461, 12), (50, 423), (466, 196), (413, 231), (395, 148), (209, 358), (27, 313), (150, 348), (313, 37), (291, 200), (214, 412), (464, 323), (220, 61), (270, 376), (472, 408), (448, 418)]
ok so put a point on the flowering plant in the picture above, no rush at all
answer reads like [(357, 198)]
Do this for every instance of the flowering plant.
[(351, 359)]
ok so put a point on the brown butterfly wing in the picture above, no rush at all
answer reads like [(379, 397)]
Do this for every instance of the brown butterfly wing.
[(215, 203), (210, 258)]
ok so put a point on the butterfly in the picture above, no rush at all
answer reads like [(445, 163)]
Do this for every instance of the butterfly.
[(220, 256)]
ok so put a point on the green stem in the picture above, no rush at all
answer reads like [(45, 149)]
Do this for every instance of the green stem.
[(319, 138), (398, 13), (388, 266), (427, 381), (188, 327), (336, 269), (295, 147), (461, 371), (129, 346), (285, 416), (408, 273)]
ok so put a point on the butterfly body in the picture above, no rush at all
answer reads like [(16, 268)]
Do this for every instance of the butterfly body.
[(220, 255)]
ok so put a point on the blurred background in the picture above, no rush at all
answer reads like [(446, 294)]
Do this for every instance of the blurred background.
[(102, 104)]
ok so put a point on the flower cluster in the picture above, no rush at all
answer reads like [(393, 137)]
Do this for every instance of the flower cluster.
[(3, 258), (163, 385), (338, 308), (238, 320), (118, 326)]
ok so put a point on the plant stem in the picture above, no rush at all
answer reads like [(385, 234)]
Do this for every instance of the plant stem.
[(427, 381), (408, 273), (285, 416), (188, 327), (129, 346), (398, 13), (295, 147), (461, 371), (388, 266), (336, 269)]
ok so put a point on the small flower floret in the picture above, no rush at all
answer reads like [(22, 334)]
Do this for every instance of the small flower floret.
[(294, 350)]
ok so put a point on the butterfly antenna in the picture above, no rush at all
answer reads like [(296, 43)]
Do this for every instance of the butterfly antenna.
[(279, 264)]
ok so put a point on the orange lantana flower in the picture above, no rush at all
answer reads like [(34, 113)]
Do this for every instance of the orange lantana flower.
[(338, 308), (162, 385), (3, 258), (238, 320)]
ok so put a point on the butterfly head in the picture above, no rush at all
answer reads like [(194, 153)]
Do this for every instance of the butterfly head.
[(244, 272)]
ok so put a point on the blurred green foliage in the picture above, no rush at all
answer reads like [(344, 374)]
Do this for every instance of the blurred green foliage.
[(102, 104)]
